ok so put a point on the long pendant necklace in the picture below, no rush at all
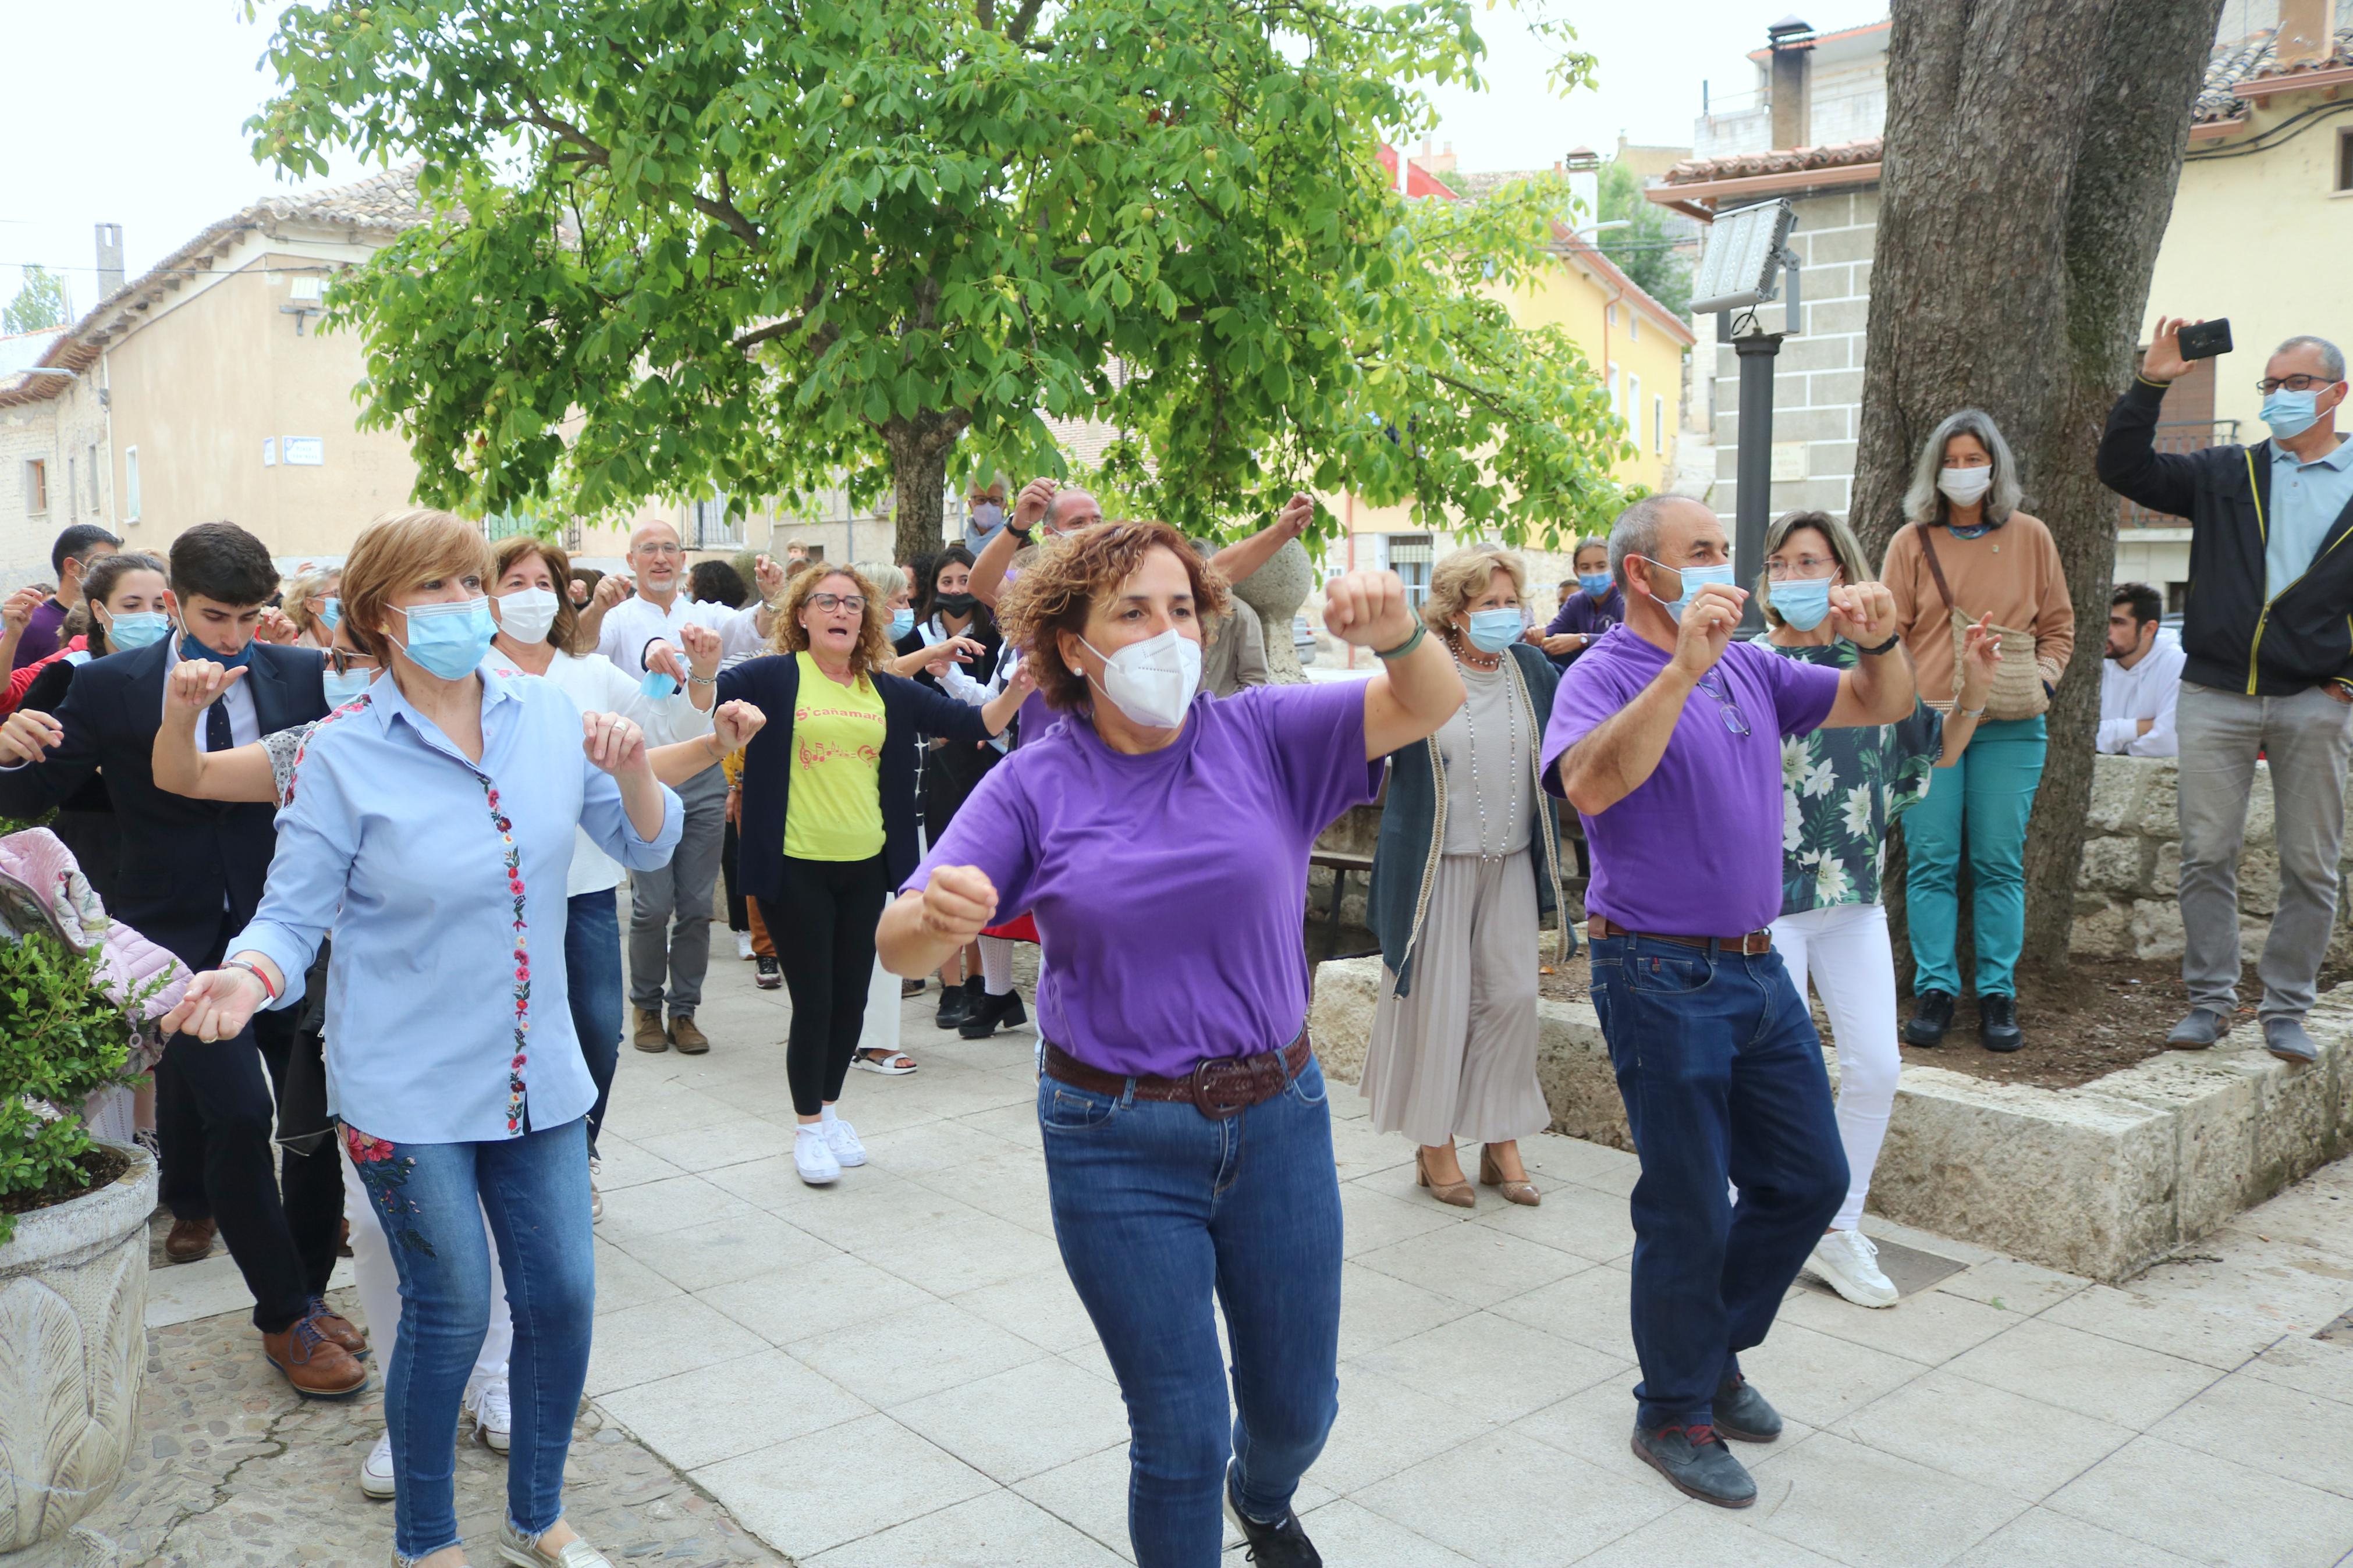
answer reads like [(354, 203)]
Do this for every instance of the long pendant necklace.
[(1511, 772)]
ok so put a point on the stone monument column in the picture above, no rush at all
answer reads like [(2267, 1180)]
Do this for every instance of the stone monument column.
[(1275, 590)]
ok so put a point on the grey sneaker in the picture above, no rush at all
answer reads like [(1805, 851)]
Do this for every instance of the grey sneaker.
[(1742, 1413), (1696, 1463), (2202, 1028), (2284, 1037)]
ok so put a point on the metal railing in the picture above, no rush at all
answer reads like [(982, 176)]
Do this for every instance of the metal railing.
[(2186, 435)]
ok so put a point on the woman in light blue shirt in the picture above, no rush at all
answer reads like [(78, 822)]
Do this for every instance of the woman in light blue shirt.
[(431, 830)]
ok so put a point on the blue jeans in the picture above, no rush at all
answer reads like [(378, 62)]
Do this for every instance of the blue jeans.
[(592, 962), (430, 1198), (1163, 1214), (1990, 793), (1722, 1074)]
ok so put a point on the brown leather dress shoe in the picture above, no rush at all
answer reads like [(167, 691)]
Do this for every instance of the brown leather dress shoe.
[(336, 1329), (690, 1040), (649, 1035), (317, 1367), (191, 1240)]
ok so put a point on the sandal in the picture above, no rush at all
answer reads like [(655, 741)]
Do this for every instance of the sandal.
[(894, 1064)]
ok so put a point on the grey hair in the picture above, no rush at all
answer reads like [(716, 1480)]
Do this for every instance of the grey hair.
[(1845, 549), (2332, 358), (1636, 533), (886, 578), (1924, 503)]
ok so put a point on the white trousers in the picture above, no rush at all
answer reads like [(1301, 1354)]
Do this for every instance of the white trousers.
[(1843, 948), (379, 1286)]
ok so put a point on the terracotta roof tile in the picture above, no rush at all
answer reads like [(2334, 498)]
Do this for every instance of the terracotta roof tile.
[(1786, 161), (2252, 60)]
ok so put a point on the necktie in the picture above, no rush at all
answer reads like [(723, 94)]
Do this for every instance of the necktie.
[(216, 735)]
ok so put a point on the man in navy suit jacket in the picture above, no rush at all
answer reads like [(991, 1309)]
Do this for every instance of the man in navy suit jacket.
[(192, 873)]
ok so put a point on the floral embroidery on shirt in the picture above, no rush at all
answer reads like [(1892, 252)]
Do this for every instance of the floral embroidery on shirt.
[(516, 1087), (383, 1170)]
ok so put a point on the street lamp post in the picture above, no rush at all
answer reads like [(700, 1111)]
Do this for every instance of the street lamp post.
[(1748, 249)]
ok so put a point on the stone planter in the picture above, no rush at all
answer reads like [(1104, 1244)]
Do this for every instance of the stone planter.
[(73, 1344)]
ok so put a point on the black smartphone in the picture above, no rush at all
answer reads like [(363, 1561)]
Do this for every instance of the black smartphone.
[(2206, 339)]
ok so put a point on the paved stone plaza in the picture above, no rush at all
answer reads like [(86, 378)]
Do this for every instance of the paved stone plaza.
[(895, 1374)]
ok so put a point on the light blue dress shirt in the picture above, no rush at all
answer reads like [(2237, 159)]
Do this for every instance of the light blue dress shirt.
[(2306, 499), (442, 882)]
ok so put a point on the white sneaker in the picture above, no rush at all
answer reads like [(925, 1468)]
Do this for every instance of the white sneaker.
[(812, 1156), (744, 945), (842, 1139), (1848, 1262), (493, 1414), (377, 1477)]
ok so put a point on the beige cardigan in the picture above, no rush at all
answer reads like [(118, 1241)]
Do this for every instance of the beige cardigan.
[(2013, 573)]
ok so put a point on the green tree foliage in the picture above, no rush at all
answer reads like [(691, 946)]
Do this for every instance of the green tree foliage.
[(1642, 250), (39, 304), (61, 1041), (751, 247)]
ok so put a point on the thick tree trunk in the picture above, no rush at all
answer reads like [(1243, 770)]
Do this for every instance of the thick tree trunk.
[(2031, 154), (919, 475)]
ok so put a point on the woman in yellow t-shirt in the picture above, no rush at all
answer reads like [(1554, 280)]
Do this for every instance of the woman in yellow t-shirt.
[(828, 822)]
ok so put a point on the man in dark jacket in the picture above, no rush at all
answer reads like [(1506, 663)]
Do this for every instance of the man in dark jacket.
[(2269, 669), (190, 876)]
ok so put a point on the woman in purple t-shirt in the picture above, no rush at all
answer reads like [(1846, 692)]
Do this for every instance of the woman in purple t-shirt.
[(1160, 838)]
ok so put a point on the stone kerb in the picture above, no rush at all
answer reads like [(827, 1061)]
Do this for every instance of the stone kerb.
[(2099, 1180)]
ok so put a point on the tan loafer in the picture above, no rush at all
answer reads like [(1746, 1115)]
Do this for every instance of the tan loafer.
[(649, 1035), (690, 1040)]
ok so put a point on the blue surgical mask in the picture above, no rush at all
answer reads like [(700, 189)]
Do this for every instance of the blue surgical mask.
[(191, 648), (331, 611), (1802, 603), (449, 639), (2290, 414), (137, 629), (658, 685), (1493, 631), (901, 623), (1694, 578), (1594, 583), (348, 686)]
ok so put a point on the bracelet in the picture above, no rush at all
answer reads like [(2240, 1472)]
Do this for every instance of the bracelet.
[(1021, 533), (1890, 645), (255, 970), (1407, 647), (699, 680), (1977, 712)]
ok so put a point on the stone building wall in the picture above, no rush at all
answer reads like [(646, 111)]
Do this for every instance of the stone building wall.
[(2125, 891)]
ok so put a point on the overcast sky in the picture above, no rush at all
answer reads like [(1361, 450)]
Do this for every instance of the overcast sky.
[(131, 111)]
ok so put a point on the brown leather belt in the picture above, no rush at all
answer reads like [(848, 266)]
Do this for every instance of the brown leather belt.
[(1754, 943), (1218, 1086)]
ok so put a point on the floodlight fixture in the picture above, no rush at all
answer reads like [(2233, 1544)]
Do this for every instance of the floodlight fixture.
[(1746, 249)]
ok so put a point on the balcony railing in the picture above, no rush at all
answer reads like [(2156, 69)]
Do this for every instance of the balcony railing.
[(2190, 435)]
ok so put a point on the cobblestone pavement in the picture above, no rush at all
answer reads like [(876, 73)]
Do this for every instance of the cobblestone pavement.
[(232, 1470)]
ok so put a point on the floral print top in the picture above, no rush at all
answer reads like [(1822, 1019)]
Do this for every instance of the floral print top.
[(1840, 791)]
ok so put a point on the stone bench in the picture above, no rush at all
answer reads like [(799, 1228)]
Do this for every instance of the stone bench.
[(2099, 1180)]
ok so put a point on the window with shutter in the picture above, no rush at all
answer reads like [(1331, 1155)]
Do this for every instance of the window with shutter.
[(130, 484), (37, 486)]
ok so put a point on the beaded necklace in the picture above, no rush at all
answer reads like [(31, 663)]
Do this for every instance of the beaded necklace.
[(1471, 749)]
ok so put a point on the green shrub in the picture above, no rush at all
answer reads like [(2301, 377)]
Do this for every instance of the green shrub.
[(61, 1040)]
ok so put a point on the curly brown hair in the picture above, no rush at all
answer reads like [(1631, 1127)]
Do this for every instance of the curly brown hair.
[(1057, 592), (789, 636)]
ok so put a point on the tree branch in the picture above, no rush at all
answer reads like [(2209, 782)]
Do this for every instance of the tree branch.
[(1023, 20)]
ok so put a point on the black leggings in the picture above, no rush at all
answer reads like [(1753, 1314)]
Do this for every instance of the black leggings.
[(823, 929)]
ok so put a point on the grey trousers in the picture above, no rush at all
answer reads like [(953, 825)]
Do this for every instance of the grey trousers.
[(670, 910), (2305, 739)]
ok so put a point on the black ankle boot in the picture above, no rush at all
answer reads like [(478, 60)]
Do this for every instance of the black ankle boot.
[(957, 1005), (1932, 1014), (1998, 1023), (992, 1013)]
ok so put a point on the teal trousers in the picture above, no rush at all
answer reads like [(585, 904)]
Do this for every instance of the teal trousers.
[(1979, 805)]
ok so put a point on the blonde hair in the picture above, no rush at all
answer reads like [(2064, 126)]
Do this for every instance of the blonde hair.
[(1464, 577), (874, 645), (299, 592), (888, 579), (396, 553), (565, 631)]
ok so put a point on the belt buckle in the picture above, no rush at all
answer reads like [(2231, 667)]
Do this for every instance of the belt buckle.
[(1207, 1078)]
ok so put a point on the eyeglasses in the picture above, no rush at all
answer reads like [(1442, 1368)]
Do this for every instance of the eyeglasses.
[(1733, 718), (343, 661), (2272, 384), (854, 603), (661, 549), (1803, 568)]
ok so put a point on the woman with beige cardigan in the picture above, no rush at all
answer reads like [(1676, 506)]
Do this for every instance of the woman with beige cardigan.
[(1968, 551)]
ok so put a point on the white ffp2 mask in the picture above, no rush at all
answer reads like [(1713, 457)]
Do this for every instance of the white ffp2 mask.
[(1152, 681)]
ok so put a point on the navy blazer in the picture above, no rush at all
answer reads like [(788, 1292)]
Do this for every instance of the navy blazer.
[(772, 683), (191, 870)]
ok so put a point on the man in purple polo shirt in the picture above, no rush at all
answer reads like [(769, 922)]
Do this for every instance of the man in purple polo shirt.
[(1586, 613), (1666, 736), (70, 558)]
